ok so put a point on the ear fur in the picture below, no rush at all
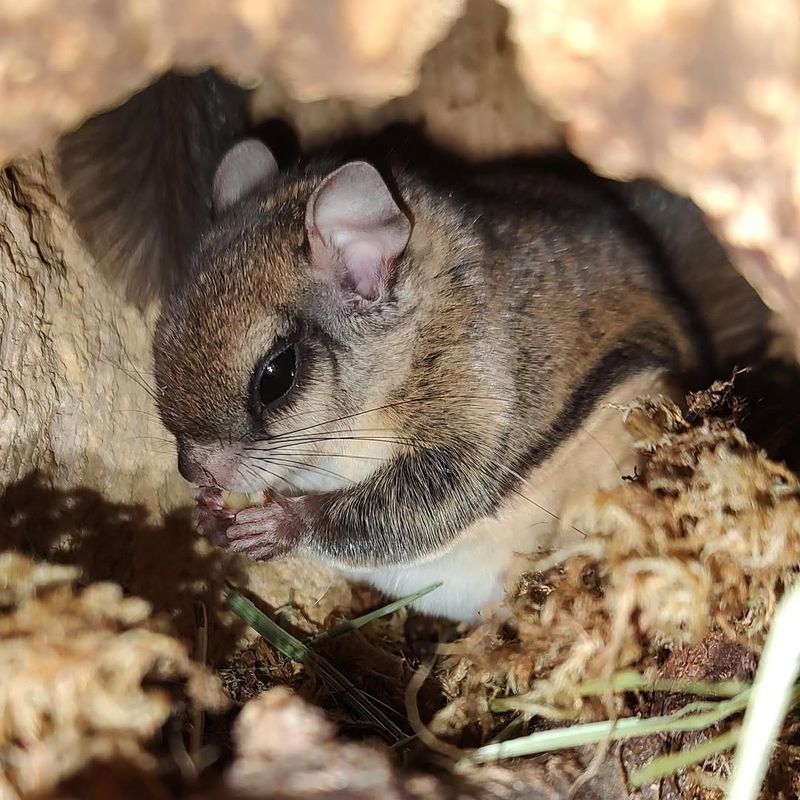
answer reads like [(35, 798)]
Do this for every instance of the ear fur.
[(356, 230), (248, 165)]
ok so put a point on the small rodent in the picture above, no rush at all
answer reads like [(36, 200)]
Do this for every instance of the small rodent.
[(414, 354)]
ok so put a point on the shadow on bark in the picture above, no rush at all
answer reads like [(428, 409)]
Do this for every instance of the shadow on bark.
[(160, 561)]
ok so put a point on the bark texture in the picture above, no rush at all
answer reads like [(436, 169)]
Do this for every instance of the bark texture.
[(60, 62), (702, 95)]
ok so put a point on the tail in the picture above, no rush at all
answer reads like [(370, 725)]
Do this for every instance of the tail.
[(733, 316), (138, 178)]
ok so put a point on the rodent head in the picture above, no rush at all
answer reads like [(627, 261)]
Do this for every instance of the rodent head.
[(271, 354)]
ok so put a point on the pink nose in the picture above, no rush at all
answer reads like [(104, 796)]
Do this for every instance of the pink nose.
[(192, 468), (205, 465)]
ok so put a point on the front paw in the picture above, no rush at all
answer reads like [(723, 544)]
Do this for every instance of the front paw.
[(265, 532), (211, 517)]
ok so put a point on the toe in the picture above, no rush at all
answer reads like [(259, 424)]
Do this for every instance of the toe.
[(254, 514), (244, 530), (258, 547)]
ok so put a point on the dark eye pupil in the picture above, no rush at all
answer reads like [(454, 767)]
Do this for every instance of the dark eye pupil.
[(278, 376)]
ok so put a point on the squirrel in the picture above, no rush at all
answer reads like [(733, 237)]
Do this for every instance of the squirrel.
[(413, 353)]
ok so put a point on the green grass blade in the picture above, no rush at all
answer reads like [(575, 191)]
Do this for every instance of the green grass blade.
[(672, 762), (280, 639), (774, 693), (595, 732), (384, 611), (631, 681), (532, 708), (626, 681), (509, 730), (359, 702)]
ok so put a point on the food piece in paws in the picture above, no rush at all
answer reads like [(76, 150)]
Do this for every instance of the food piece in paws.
[(215, 511), (238, 501)]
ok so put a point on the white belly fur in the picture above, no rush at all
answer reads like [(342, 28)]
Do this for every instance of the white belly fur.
[(476, 569)]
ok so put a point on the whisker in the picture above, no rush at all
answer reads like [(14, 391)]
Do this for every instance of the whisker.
[(142, 411), (276, 447), (597, 441), (325, 454), (301, 465), (494, 465), (159, 439), (388, 406), (146, 378), (417, 444), (135, 377), (152, 451), (259, 477), (332, 437), (417, 399)]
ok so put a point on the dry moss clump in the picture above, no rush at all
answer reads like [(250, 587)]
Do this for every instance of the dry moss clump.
[(700, 543), (85, 675)]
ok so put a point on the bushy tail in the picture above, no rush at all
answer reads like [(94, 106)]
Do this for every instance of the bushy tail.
[(733, 315), (138, 178)]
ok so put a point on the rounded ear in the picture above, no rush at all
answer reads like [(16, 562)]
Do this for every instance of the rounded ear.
[(356, 230), (247, 166)]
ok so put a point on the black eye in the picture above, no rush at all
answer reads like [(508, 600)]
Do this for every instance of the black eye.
[(277, 376)]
